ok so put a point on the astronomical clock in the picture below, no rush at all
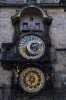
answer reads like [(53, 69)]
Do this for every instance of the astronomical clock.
[(31, 47), (28, 56), (32, 79)]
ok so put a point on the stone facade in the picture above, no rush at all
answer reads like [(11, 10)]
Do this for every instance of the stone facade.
[(24, 1), (49, 1), (58, 41), (57, 31)]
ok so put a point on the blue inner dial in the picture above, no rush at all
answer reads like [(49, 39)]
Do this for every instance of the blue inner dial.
[(34, 47)]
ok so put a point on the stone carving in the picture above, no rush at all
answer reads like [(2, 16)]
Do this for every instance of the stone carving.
[(31, 2)]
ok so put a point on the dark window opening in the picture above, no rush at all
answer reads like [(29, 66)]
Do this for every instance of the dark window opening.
[(25, 25), (37, 26), (8, 54)]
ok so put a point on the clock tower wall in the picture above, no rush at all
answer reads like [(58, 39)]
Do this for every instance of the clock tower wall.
[(57, 33)]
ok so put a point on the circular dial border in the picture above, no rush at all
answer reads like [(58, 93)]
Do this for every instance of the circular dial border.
[(31, 47), (32, 79)]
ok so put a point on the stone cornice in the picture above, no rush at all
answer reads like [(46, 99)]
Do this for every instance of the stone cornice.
[(42, 5)]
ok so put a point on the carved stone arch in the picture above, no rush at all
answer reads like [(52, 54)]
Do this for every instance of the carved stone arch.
[(32, 9)]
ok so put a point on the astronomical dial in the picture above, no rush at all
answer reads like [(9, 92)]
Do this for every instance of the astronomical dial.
[(31, 47), (32, 79)]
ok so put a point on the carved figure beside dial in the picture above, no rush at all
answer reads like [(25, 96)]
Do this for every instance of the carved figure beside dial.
[(31, 47)]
